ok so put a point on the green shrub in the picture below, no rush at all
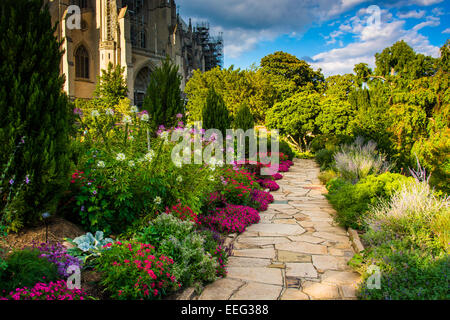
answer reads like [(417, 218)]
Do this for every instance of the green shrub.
[(406, 274), (35, 116), (215, 114), (243, 118), (325, 158), (25, 268), (163, 99), (177, 240), (326, 176), (352, 202), (133, 270)]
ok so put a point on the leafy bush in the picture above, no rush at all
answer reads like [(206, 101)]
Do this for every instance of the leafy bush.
[(35, 115), (408, 239), (352, 201), (163, 99), (215, 114), (243, 118), (407, 274), (413, 213), (178, 240), (133, 270), (47, 291), (25, 269), (358, 160), (327, 175), (325, 158)]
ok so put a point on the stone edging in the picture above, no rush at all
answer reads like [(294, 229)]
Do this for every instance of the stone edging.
[(356, 241)]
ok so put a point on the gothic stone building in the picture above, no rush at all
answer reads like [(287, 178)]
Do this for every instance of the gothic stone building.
[(136, 34)]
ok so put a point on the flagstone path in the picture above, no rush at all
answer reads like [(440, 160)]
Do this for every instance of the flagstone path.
[(295, 252)]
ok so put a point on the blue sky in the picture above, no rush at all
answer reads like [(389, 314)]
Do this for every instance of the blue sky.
[(329, 34)]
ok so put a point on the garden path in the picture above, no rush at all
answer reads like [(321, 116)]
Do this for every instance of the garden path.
[(295, 252)]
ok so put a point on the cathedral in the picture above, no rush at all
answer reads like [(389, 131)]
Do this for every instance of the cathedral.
[(136, 34)]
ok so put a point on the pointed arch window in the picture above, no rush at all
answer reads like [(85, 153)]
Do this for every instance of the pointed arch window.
[(82, 63)]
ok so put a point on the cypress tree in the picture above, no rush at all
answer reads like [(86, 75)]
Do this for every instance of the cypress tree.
[(34, 114), (215, 113), (163, 99), (244, 118), (111, 86)]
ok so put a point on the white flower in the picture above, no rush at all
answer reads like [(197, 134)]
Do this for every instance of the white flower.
[(157, 200), (179, 179), (145, 117), (164, 135), (177, 163), (149, 156), (109, 112), (131, 137), (127, 119), (131, 163), (134, 109), (95, 113), (120, 157), (211, 178), (220, 163), (101, 164)]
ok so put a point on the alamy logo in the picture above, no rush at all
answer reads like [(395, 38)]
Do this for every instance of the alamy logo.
[(74, 20)]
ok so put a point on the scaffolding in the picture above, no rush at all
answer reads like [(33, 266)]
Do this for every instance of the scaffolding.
[(212, 46)]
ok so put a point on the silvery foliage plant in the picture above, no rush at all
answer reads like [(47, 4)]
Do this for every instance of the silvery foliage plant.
[(89, 245)]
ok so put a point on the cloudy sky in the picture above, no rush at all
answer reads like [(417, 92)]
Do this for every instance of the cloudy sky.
[(329, 34)]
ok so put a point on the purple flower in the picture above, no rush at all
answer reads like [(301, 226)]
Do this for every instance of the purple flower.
[(94, 192), (179, 116), (27, 180), (11, 182)]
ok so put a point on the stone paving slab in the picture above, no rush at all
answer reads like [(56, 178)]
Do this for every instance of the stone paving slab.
[(296, 252)]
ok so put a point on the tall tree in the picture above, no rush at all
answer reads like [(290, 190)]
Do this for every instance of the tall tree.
[(34, 114), (111, 86), (290, 74), (215, 114), (163, 100)]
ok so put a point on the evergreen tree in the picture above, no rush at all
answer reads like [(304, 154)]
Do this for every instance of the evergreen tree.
[(34, 114), (244, 118), (163, 99), (215, 113), (111, 86)]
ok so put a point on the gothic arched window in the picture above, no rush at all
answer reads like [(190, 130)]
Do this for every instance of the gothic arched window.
[(82, 63)]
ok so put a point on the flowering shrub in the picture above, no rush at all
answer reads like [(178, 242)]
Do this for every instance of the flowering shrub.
[(57, 254), (277, 176), (46, 291), (232, 218), (269, 184), (261, 199), (178, 240), (133, 270), (182, 212)]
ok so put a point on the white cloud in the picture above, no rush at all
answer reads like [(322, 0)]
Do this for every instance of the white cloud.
[(411, 14), (245, 23), (370, 39), (446, 31)]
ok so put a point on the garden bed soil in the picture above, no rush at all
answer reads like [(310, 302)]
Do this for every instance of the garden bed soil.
[(58, 229)]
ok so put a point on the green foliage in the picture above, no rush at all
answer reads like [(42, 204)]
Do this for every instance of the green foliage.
[(327, 175), (111, 86), (88, 246), (243, 118), (215, 114), (288, 74), (163, 99), (295, 117), (352, 201), (177, 240), (25, 268), (325, 158), (135, 271), (235, 87), (35, 115), (408, 240)]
